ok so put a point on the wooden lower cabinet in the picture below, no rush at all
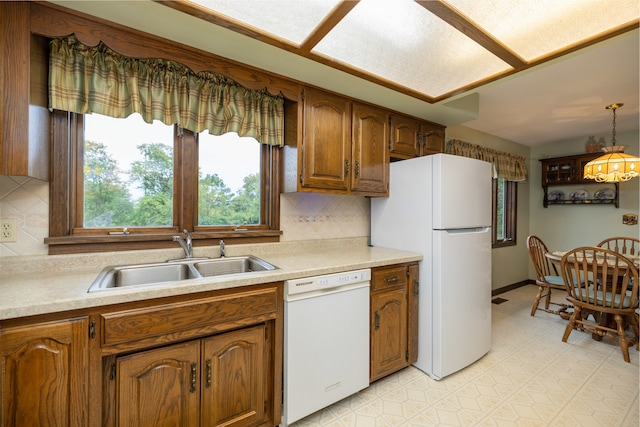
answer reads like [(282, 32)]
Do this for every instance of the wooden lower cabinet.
[(215, 381), (211, 359), (44, 368), (394, 319)]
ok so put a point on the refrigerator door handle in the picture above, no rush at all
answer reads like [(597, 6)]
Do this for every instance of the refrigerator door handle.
[(466, 230)]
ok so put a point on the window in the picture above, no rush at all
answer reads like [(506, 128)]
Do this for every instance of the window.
[(505, 197), (156, 180)]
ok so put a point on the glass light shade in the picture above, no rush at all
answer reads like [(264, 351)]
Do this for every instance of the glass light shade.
[(613, 166)]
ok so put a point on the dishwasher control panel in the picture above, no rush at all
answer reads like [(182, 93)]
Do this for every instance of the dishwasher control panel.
[(328, 281)]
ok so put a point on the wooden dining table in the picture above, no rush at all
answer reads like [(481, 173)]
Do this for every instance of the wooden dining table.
[(556, 256)]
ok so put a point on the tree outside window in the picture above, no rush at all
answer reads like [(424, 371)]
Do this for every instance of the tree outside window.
[(504, 212)]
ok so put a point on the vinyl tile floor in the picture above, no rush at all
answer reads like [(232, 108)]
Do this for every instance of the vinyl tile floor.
[(529, 378)]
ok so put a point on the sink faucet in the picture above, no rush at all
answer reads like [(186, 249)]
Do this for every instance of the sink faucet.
[(186, 244), (222, 254)]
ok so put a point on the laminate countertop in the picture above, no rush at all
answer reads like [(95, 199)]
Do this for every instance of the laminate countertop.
[(42, 284)]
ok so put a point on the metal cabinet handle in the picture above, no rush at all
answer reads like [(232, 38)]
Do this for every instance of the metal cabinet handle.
[(357, 169), (194, 371), (376, 321), (346, 167), (208, 372)]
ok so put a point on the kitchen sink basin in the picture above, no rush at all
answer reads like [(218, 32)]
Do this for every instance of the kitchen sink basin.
[(114, 277), (232, 265)]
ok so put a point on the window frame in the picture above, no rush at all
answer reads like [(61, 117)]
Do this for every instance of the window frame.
[(510, 214), (67, 235)]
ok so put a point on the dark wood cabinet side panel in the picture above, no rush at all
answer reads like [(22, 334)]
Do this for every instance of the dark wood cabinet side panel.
[(14, 88), (413, 297)]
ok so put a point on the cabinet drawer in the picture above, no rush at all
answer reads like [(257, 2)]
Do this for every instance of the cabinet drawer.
[(389, 278), (189, 318)]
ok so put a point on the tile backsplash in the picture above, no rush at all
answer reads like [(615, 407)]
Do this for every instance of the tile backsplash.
[(27, 201), (303, 216)]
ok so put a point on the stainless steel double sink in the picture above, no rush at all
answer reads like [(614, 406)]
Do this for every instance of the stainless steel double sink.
[(113, 277)]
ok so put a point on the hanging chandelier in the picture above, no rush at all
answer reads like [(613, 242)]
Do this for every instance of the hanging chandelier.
[(614, 165)]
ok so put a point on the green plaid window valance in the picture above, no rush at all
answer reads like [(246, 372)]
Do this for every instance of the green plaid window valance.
[(86, 80), (506, 165)]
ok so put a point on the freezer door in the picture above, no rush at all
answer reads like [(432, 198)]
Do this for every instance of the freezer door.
[(461, 192), (461, 292)]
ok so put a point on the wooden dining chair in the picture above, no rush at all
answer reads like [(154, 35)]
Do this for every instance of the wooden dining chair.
[(547, 279), (607, 286), (622, 245)]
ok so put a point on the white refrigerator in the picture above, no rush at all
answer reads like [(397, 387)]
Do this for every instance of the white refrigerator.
[(440, 206)]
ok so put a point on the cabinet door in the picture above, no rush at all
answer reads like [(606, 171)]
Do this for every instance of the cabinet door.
[(235, 368), (370, 172), (581, 162), (431, 140), (388, 332), (326, 141), (159, 387), (404, 137), (44, 374), (558, 172)]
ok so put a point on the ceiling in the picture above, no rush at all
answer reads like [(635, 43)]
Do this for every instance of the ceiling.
[(529, 72)]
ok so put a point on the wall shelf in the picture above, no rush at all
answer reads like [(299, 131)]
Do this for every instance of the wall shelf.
[(567, 172)]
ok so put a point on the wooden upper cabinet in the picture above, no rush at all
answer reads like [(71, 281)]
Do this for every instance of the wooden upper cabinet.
[(45, 374), (370, 159), (404, 136), (414, 138), (326, 154), (343, 147), (24, 120), (431, 138)]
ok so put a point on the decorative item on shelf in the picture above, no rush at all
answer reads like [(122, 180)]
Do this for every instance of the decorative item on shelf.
[(601, 144), (604, 194), (614, 165), (556, 195), (592, 145), (579, 195)]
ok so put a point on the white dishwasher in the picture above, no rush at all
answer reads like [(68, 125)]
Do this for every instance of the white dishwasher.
[(326, 341)]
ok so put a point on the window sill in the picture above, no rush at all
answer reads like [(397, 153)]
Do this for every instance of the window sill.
[(130, 242), (504, 244)]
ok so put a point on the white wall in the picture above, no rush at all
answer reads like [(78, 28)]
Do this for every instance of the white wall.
[(509, 264), (564, 227)]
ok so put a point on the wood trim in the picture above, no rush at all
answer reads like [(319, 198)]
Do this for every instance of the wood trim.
[(458, 21), (77, 244), (50, 20), (511, 287), (445, 12), (329, 22), (59, 188)]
